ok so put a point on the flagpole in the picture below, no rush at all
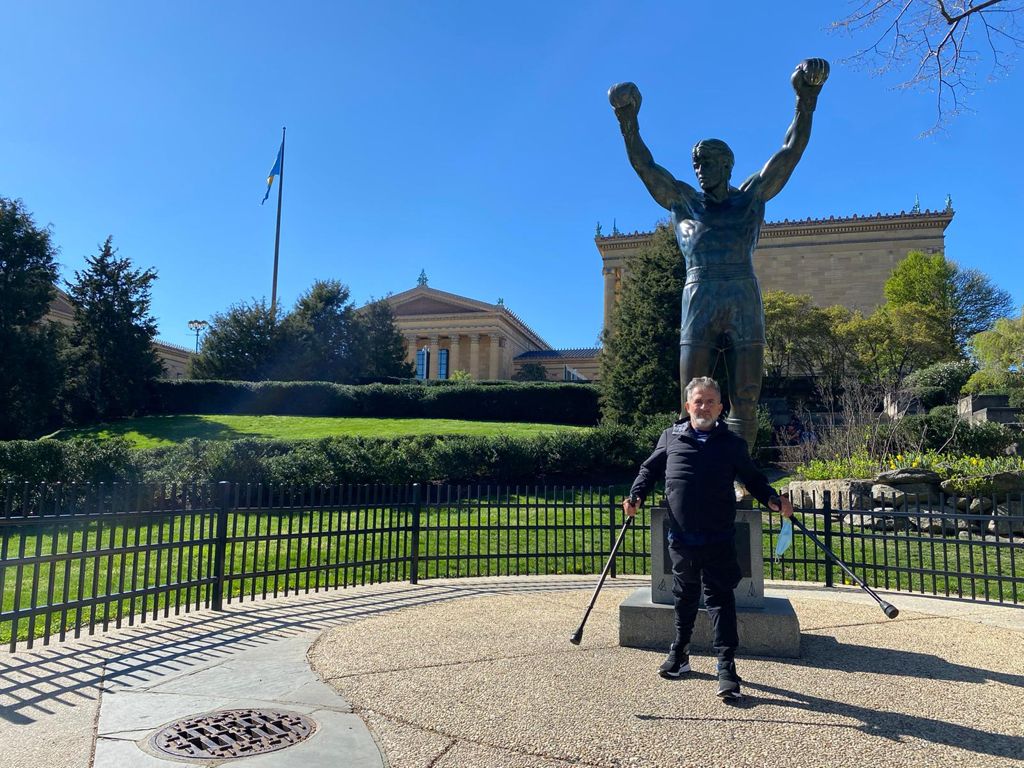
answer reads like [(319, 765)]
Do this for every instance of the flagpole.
[(277, 235)]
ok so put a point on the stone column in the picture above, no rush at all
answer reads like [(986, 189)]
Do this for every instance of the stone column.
[(410, 350), (432, 373), (495, 341), (453, 354), (474, 355), (609, 295)]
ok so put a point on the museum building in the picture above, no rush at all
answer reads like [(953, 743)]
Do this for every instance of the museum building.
[(843, 260)]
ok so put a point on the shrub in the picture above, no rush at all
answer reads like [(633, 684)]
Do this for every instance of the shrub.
[(861, 465), (931, 397), (945, 378), (72, 461), (552, 403), (942, 430), (602, 455)]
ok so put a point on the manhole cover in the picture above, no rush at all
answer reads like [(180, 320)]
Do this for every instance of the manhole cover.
[(231, 733)]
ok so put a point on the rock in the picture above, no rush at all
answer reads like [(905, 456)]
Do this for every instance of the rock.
[(979, 506), (866, 521), (952, 486), (1007, 519), (903, 495), (909, 476), (887, 495), (936, 519), (974, 526), (1002, 482), (984, 485), (881, 519), (809, 494)]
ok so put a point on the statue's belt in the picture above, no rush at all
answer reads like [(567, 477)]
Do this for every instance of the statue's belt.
[(720, 272)]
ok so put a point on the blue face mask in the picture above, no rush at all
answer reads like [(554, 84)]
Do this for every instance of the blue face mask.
[(785, 539)]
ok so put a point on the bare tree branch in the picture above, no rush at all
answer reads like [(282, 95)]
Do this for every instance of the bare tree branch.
[(931, 45)]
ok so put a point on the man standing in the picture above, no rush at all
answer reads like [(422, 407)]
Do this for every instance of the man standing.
[(717, 229), (699, 458)]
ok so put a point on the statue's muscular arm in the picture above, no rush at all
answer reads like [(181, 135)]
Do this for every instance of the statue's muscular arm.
[(663, 186), (807, 80)]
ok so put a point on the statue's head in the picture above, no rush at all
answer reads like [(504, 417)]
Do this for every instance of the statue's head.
[(712, 162)]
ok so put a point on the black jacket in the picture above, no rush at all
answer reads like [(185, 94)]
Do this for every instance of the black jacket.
[(699, 477)]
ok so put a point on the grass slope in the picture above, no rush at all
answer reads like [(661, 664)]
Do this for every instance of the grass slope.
[(152, 431)]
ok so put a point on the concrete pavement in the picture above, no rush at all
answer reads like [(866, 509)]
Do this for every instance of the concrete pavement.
[(480, 673)]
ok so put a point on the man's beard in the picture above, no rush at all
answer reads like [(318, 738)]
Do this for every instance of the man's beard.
[(704, 424)]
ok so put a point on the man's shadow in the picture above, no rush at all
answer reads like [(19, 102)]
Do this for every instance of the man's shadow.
[(822, 652)]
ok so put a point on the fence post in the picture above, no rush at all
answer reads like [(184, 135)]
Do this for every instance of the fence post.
[(612, 529), (416, 507), (827, 508), (220, 543)]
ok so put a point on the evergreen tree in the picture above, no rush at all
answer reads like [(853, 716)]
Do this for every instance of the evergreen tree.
[(640, 359), (531, 372), (241, 344), (112, 357), (31, 374), (383, 348), (322, 339)]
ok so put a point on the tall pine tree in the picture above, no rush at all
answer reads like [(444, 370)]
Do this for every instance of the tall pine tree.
[(31, 374), (112, 357), (640, 359), (242, 343), (383, 348)]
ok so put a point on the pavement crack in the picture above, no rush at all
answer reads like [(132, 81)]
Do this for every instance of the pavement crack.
[(448, 748), (454, 740), (96, 717)]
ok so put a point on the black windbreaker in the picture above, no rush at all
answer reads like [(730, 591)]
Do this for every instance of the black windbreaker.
[(699, 477)]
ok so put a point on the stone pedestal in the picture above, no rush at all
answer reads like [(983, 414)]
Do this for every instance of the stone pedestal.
[(768, 626)]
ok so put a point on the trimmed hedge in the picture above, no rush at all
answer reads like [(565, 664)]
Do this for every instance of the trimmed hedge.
[(549, 403), (601, 455)]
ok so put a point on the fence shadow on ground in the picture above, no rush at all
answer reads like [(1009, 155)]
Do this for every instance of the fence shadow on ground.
[(35, 683)]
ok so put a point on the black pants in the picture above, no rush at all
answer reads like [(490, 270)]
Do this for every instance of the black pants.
[(715, 565)]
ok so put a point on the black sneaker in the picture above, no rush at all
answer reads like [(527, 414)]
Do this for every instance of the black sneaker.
[(728, 681), (676, 665)]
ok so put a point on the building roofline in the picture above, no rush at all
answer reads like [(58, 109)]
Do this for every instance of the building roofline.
[(810, 226), (499, 309)]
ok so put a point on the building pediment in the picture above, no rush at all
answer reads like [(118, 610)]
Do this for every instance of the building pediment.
[(429, 305)]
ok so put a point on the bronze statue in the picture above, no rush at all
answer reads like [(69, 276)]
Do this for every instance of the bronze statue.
[(717, 229)]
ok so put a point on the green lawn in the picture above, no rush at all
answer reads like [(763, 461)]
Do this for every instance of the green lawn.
[(153, 431)]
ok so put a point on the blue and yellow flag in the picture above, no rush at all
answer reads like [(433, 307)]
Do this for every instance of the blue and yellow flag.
[(275, 171)]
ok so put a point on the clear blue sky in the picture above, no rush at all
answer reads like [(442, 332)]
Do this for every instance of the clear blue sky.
[(470, 139)]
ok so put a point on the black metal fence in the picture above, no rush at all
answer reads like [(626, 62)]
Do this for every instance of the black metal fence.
[(76, 559), (928, 544)]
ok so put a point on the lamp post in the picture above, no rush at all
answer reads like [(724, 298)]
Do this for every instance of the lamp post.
[(198, 326)]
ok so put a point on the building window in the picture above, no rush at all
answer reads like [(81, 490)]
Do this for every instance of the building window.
[(422, 363), (442, 364)]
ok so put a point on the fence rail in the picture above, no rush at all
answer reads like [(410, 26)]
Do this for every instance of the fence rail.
[(83, 558)]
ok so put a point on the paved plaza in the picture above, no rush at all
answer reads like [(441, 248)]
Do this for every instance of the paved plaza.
[(480, 673)]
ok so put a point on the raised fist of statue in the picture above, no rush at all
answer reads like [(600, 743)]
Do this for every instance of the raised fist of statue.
[(809, 76), (625, 98)]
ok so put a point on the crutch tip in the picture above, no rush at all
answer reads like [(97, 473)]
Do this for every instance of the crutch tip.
[(891, 611)]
